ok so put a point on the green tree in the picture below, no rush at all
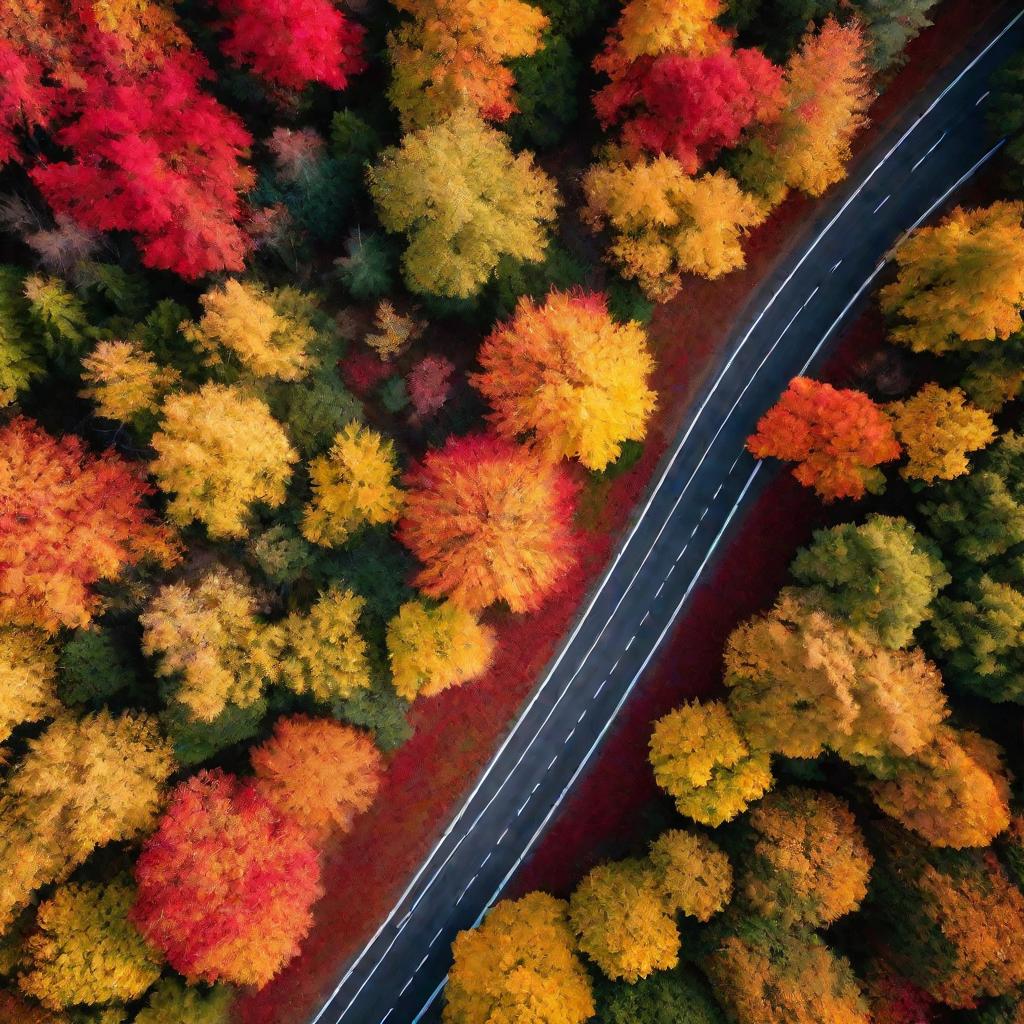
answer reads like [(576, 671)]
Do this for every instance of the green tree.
[(93, 666), (891, 24), (171, 1002), (547, 87), (668, 997), (1006, 116)]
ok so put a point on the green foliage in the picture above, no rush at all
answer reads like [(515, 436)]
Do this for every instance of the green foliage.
[(393, 394), (314, 409), (547, 89), (572, 18), (282, 553), (353, 141), (158, 333), (368, 268), (667, 997), (380, 710), (559, 269), (171, 1002), (59, 316), (626, 301), (196, 741), (1006, 117), (891, 24), (126, 292), (93, 667), (778, 25), (17, 365)]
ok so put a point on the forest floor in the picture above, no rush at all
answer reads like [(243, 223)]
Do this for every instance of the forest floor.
[(457, 732)]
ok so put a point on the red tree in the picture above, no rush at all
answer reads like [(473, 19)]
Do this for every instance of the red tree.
[(68, 519), (293, 42), (691, 107), (226, 883), (837, 437), (25, 102), (430, 384), (156, 156)]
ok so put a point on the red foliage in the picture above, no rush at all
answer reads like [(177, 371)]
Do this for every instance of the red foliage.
[(67, 520), (836, 436), (363, 371), (691, 107), (429, 384), (226, 883), (25, 102), (158, 157), (293, 42)]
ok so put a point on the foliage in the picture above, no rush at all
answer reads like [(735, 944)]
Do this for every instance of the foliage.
[(890, 25), (219, 451), (366, 269), (547, 90), (85, 950), (171, 1002), (485, 203), (435, 647), (394, 332), (1006, 116), (68, 520), (807, 862), (225, 883), (124, 380), (318, 773), (881, 575), (837, 437), (961, 282), (647, 28), (694, 875), (490, 522), (519, 964), (429, 384), (450, 55), (28, 670), (701, 760), (196, 740), (18, 362), (665, 223), (667, 997)]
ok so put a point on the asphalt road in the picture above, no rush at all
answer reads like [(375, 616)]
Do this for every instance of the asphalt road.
[(939, 144)]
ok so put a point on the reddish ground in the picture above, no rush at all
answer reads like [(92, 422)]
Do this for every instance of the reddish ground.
[(457, 732)]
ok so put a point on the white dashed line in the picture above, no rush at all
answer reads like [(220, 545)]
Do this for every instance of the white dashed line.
[(630, 644), (718, 492), (881, 204), (836, 266), (582, 713), (405, 986), (422, 962), (934, 146), (671, 569), (981, 99), (437, 935), (683, 552), (502, 836), (657, 593), (811, 296), (600, 688), (388, 1014), (569, 737), (552, 763)]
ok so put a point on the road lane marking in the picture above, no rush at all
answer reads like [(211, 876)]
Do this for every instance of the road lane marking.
[(683, 552), (836, 266), (435, 938), (659, 590), (984, 96), (934, 146), (569, 737), (406, 986), (817, 288), (631, 639), (881, 204), (552, 763), (421, 963), (719, 491), (386, 1015), (502, 836), (600, 688), (580, 719)]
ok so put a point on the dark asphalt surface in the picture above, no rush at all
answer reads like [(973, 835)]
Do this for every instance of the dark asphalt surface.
[(909, 173)]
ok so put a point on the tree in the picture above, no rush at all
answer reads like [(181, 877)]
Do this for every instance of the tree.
[(124, 380), (208, 637), (1006, 116), (569, 377), (82, 783), (490, 522), (805, 862), (954, 921), (622, 923), (219, 451), (666, 997), (435, 647), (68, 520), (171, 1002), (485, 204), (19, 1011), (691, 107), (938, 427), (394, 332), (890, 25), (763, 973), (293, 43), (352, 486), (520, 964), (450, 55), (318, 772), (429, 384), (801, 683), (881, 576), (961, 282), (85, 950), (26, 102), (979, 635), (18, 362), (694, 875), (665, 223), (325, 655), (702, 761), (837, 437), (156, 156), (28, 671), (954, 792), (241, 318), (226, 884)]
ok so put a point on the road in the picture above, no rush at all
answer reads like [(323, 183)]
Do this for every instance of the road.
[(938, 145)]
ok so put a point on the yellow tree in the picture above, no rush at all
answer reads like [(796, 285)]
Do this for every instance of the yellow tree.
[(123, 379), (352, 485), (208, 635), (694, 875), (565, 374), (435, 647), (239, 320), (665, 223), (85, 949), (938, 427), (702, 761), (519, 965), (218, 452), (394, 332), (961, 282), (28, 671), (464, 200), (450, 53), (324, 653)]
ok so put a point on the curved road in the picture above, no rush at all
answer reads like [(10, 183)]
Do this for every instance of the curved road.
[(908, 174)]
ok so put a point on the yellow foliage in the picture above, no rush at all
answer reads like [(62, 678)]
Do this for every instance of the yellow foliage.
[(648, 28), (464, 200), (666, 223), (700, 759), (395, 333), (218, 451), (28, 670), (242, 319), (85, 950), (961, 282), (519, 965), (324, 654), (124, 379), (209, 635), (432, 648), (352, 485), (694, 875)]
